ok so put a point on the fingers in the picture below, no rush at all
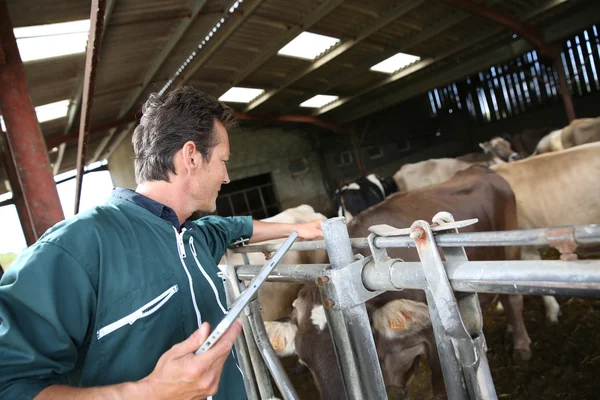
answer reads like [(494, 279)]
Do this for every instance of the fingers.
[(191, 344)]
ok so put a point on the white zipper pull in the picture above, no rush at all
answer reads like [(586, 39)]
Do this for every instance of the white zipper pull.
[(181, 245), (192, 248)]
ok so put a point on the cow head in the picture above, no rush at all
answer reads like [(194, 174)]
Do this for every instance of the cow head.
[(500, 149), (402, 332), (353, 198)]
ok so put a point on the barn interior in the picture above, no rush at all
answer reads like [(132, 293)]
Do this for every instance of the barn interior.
[(325, 92)]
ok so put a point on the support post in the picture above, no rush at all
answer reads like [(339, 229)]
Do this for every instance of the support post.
[(563, 87), (350, 328), (359, 159), (25, 145)]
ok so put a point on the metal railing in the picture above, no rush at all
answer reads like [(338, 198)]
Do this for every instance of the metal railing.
[(350, 281)]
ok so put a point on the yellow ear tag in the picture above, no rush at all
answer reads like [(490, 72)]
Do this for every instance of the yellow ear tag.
[(397, 323), (278, 343)]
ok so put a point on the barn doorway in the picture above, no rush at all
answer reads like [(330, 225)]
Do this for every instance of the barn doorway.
[(253, 196)]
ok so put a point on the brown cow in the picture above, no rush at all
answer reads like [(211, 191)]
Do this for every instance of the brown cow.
[(578, 132), (474, 193), (553, 189)]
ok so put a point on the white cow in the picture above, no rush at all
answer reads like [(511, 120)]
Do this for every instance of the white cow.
[(426, 173), (578, 132), (276, 297)]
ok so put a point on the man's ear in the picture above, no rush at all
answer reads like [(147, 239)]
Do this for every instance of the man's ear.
[(190, 157)]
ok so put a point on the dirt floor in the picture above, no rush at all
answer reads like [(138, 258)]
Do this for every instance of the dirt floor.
[(565, 361)]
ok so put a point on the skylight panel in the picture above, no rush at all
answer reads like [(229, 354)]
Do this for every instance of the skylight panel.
[(395, 63), (308, 45), (47, 112), (319, 101), (241, 95), (52, 40)]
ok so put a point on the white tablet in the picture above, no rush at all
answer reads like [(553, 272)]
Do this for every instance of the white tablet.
[(242, 301)]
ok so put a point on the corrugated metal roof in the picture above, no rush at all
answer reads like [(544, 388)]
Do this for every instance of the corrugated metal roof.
[(138, 32)]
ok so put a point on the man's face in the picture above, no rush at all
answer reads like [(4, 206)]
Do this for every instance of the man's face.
[(211, 174)]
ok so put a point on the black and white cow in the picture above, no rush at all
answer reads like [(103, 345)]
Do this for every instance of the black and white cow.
[(357, 196)]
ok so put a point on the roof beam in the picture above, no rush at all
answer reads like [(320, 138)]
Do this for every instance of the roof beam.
[(381, 22), (75, 104), (231, 25), (403, 45), (155, 65), (325, 8), (557, 31), (91, 68)]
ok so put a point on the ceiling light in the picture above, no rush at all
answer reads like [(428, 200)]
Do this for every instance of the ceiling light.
[(319, 101), (395, 63), (308, 46), (52, 40), (241, 95)]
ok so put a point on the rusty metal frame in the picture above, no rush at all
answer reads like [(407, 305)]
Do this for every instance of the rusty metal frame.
[(91, 68), (26, 158)]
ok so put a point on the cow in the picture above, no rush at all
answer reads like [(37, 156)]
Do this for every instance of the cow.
[(578, 132), (499, 151), (400, 320), (276, 298), (553, 189), (354, 197), (426, 173)]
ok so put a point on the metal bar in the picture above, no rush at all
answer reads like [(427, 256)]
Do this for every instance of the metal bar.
[(242, 347), (564, 89), (544, 277), (584, 234), (328, 124), (75, 104), (91, 68), (359, 158), (39, 204), (268, 354), (381, 22), (57, 140), (350, 327), (17, 200), (231, 25), (322, 10)]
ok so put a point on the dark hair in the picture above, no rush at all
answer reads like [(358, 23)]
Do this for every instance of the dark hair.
[(168, 123)]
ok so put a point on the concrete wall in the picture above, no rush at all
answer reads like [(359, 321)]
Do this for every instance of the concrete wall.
[(256, 151), (120, 165)]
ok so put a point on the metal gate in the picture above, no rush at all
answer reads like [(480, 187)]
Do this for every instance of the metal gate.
[(350, 281)]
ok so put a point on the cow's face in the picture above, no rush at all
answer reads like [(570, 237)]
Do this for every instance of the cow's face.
[(500, 148), (402, 332)]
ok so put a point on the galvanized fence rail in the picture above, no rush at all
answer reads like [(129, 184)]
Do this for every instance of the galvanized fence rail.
[(350, 281)]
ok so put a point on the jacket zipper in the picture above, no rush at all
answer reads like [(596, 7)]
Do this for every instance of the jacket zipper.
[(142, 312), (210, 281), (181, 249)]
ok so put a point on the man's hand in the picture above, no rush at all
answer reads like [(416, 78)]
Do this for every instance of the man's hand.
[(179, 374), (309, 230)]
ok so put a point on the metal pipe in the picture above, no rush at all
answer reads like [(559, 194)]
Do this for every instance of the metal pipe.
[(544, 277), (242, 349), (268, 354), (91, 67), (350, 328), (25, 148), (584, 234)]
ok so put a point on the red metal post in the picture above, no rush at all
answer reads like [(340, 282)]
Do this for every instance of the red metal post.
[(91, 67), (25, 140), (13, 178)]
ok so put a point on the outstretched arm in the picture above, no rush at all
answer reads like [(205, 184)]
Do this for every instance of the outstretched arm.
[(272, 230)]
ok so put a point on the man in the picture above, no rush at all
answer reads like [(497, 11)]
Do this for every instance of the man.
[(113, 303)]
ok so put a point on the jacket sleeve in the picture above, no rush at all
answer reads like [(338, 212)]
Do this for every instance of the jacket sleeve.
[(221, 232), (47, 303)]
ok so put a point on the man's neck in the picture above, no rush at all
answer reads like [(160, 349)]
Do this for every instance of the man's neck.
[(165, 193)]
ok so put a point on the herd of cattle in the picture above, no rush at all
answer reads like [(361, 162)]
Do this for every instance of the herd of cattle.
[(557, 184)]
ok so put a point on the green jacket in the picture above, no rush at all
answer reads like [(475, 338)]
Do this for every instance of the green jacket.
[(100, 297)]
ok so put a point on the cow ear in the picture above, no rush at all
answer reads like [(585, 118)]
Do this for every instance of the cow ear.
[(400, 318), (282, 336)]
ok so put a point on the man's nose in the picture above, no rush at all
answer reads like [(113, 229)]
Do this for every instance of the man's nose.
[(226, 178)]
